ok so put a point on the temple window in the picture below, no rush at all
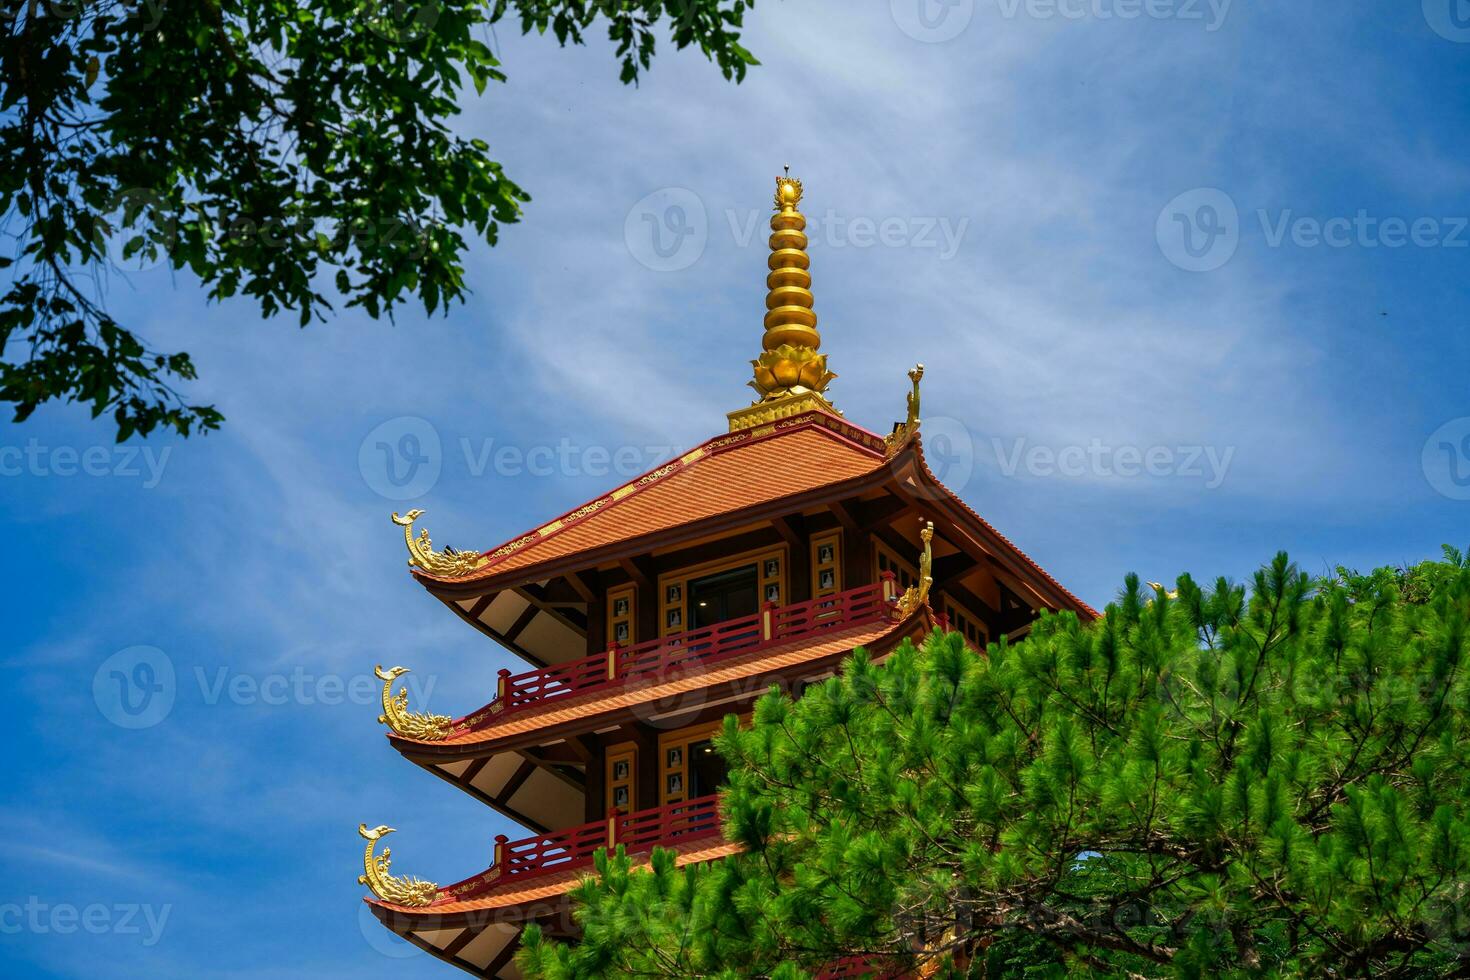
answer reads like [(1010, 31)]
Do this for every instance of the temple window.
[(622, 615), (721, 590), (622, 778), (690, 766), (826, 564)]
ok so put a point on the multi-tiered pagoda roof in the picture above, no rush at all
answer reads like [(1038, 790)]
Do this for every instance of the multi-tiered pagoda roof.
[(764, 556)]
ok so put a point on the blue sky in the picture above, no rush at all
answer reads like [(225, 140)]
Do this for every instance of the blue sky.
[(1001, 189)]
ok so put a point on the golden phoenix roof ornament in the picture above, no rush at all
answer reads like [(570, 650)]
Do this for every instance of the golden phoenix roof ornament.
[(1160, 589), (918, 595), (907, 429), (447, 563), (410, 892), (790, 374), (410, 724)]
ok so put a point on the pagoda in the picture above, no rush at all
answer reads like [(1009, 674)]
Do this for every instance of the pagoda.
[(762, 557)]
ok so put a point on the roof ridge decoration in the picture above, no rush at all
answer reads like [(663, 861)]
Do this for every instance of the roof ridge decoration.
[(903, 432), (412, 724), (918, 595), (839, 428), (410, 892), (448, 563), (790, 374)]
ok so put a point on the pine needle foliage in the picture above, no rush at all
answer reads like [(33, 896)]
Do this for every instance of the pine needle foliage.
[(1271, 780)]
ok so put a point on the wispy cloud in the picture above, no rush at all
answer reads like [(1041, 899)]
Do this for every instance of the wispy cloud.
[(1050, 148)]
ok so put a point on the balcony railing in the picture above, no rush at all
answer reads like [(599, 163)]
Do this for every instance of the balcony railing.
[(668, 656), (566, 850)]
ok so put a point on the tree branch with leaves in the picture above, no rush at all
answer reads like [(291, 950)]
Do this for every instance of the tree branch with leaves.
[(298, 154)]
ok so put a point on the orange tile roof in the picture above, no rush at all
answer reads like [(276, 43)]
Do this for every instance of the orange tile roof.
[(725, 475)]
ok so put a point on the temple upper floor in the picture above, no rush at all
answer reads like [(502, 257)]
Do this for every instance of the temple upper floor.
[(796, 509)]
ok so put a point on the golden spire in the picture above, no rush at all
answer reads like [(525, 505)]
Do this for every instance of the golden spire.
[(790, 320), (790, 376)]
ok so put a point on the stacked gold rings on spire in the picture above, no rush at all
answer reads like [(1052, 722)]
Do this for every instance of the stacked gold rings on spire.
[(791, 319), (790, 364)]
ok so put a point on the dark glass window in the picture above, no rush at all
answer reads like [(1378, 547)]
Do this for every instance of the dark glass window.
[(706, 769), (724, 595)]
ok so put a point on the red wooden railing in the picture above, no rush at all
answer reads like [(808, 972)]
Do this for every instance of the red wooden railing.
[(668, 655), (575, 847)]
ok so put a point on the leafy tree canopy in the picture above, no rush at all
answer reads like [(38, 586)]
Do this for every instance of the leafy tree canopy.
[(278, 149), (1272, 780)]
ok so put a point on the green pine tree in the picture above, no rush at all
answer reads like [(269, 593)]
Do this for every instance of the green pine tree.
[(1272, 780)]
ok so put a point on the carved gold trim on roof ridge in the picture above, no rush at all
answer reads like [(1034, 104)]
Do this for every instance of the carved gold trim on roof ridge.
[(822, 415)]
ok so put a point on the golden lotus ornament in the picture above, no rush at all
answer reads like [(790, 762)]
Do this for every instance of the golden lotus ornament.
[(790, 370)]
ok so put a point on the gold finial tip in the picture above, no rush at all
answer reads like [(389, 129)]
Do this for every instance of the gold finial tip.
[(788, 191)]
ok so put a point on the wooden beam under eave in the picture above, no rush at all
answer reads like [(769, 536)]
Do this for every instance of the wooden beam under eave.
[(639, 569), (1015, 611), (438, 953), (537, 597), (845, 517), (559, 770), (514, 631), (459, 942), (463, 782), (898, 544), (494, 634), (560, 592), (517, 780), (587, 748), (503, 957), (473, 769), (888, 509), (790, 529), (594, 802), (584, 584), (950, 569)]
